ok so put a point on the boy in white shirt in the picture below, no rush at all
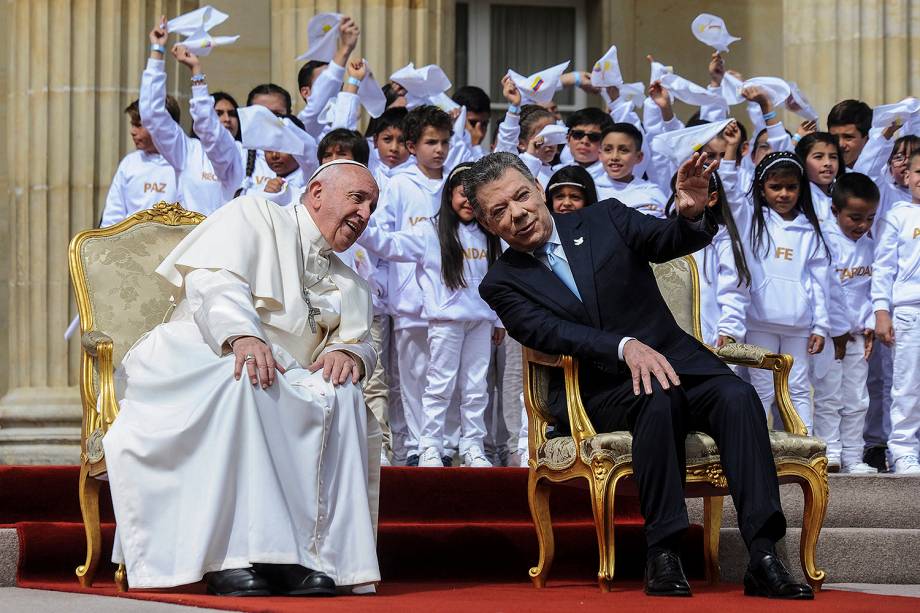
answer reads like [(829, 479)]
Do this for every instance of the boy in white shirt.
[(144, 177), (896, 300), (621, 151), (841, 397), (586, 128)]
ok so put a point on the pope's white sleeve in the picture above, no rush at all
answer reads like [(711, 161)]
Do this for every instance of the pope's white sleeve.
[(327, 85), (219, 145), (732, 295), (363, 352), (778, 138), (222, 306), (166, 134), (816, 269), (873, 158), (116, 209), (885, 267), (509, 132), (346, 109)]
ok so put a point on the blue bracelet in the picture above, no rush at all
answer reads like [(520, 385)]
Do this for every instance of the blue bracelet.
[(199, 78), (514, 109), (157, 47), (577, 79), (769, 116), (354, 81)]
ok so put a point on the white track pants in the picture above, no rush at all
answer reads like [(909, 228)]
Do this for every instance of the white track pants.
[(799, 384)]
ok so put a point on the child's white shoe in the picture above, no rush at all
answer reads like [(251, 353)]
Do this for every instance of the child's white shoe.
[(430, 458), (475, 458), (907, 465), (860, 468)]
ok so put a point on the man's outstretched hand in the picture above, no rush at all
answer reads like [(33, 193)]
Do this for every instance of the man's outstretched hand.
[(691, 189), (644, 362)]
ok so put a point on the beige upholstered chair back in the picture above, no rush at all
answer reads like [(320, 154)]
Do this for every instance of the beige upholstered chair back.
[(118, 292), (679, 283)]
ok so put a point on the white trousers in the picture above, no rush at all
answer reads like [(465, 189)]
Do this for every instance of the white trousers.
[(412, 361), (376, 391), (799, 384), (841, 402), (459, 353), (512, 392), (905, 386)]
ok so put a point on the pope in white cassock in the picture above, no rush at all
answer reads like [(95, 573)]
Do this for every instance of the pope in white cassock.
[(241, 450)]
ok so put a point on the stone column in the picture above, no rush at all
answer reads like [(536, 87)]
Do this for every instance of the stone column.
[(864, 49), (73, 66), (393, 33)]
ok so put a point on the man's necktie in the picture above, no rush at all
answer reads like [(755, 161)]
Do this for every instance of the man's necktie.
[(559, 268)]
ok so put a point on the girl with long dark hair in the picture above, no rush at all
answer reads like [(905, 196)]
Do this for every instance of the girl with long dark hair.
[(823, 159)]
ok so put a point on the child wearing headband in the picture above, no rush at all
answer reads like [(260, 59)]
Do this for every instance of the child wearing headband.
[(451, 254), (571, 188), (788, 261)]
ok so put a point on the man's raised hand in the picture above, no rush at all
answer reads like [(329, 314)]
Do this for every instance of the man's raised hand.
[(692, 187), (337, 367), (644, 362), (257, 357)]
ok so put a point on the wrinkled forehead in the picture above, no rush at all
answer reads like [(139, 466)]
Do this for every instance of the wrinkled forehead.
[(498, 191)]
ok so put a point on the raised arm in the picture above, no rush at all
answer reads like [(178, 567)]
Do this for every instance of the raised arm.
[(167, 135)]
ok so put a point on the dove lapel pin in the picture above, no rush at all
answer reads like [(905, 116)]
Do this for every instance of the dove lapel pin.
[(579, 241)]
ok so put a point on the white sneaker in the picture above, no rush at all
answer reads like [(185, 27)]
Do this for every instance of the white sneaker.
[(430, 458), (833, 464), (525, 459), (859, 468), (907, 465), (475, 458), (384, 458)]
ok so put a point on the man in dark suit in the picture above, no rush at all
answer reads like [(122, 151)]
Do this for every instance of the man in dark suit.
[(580, 284)]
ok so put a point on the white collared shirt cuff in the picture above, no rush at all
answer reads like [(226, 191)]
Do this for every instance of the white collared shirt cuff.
[(622, 344)]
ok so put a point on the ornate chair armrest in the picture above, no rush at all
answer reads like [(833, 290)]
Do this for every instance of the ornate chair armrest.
[(100, 346), (92, 340), (579, 422), (752, 356)]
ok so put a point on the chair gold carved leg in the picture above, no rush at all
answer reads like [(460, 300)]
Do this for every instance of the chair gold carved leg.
[(121, 578), (89, 507), (712, 526), (815, 490), (538, 491), (603, 523)]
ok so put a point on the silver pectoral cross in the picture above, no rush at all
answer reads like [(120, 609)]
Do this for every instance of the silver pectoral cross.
[(312, 311)]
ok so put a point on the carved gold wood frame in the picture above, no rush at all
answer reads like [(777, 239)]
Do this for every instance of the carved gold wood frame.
[(96, 357), (707, 481)]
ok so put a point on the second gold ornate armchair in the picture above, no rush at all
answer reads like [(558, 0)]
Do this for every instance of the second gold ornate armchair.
[(604, 460), (119, 298)]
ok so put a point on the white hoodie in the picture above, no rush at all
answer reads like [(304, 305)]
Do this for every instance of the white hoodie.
[(723, 299), (142, 180), (644, 196), (851, 271), (896, 275), (410, 198)]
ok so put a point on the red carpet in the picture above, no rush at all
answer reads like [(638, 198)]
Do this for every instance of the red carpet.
[(449, 540)]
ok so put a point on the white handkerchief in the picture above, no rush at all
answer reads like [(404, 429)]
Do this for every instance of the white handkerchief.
[(885, 114), (204, 18), (607, 70), (540, 86), (553, 134), (687, 91), (445, 103), (711, 30), (634, 93), (422, 84), (679, 145), (201, 43), (658, 71), (806, 110), (262, 129), (776, 89), (731, 89), (371, 95), (322, 34)]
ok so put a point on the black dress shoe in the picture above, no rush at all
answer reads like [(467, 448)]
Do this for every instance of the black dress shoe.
[(295, 580), (769, 578), (237, 582), (447, 461), (412, 460), (664, 576), (877, 457)]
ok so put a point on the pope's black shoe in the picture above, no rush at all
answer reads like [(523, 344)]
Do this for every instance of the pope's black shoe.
[(664, 576), (237, 582), (295, 580), (769, 578)]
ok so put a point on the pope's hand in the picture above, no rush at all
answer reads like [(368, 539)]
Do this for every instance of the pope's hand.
[(337, 366), (257, 356), (643, 362)]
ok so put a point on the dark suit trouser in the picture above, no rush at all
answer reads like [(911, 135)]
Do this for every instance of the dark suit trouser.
[(723, 406)]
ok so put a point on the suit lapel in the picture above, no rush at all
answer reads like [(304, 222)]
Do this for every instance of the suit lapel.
[(545, 287), (576, 242)]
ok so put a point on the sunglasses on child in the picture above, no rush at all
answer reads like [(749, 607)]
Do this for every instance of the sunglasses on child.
[(475, 123), (594, 137)]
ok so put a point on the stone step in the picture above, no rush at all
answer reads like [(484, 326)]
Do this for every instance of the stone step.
[(9, 556), (856, 501), (847, 555)]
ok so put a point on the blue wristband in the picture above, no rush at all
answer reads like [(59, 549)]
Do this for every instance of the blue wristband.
[(199, 78), (577, 79), (514, 109), (769, 116), (354, 81), (157, 47)]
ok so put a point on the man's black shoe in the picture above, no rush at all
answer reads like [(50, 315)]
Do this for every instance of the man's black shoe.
[(664, 576), (295, 580), (769, 578), (237, 582), (447, 461), (876, 457), (412, 460)]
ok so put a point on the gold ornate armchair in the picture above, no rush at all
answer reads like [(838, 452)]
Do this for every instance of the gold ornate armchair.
[(604, 460), (119, 298)]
